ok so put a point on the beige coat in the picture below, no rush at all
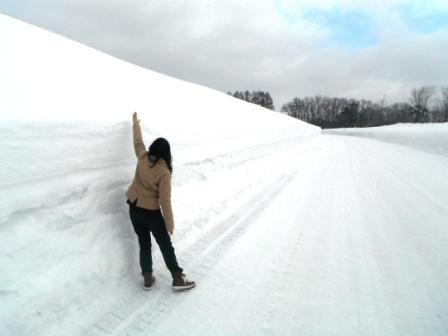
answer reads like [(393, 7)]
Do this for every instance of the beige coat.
[(151, 186)]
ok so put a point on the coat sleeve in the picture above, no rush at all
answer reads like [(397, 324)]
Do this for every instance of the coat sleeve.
[(139, 145), (165, 199)]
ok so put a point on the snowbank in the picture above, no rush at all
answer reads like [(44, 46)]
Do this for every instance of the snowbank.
[(432, 138), (67, 159), (48, 77)]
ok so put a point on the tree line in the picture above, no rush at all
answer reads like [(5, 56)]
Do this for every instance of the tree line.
[(256, 97), (331, 112), (328, 112)]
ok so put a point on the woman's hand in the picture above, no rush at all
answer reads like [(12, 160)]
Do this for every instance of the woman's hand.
[(135, 120)]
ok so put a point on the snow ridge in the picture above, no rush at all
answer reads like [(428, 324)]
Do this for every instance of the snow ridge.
[(432, 138)]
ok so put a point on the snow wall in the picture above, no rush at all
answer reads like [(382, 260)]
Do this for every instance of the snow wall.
[(432, 138), (67, 108)]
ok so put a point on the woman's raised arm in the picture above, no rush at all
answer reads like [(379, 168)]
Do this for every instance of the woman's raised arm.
[(139, 145)]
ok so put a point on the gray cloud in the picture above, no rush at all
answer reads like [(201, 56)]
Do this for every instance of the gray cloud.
[(229, 45)]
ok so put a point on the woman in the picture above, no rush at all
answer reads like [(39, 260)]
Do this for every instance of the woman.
[(150, 190)]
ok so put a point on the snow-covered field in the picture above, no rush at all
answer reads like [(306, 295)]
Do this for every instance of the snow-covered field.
[(286, 231), (432, 138)]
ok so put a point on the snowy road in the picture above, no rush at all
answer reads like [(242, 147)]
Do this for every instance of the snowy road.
[(329, 235), (351, 242)]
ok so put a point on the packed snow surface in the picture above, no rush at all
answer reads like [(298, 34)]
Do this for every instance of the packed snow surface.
[(285, 230)]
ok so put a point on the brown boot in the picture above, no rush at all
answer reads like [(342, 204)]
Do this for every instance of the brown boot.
[(149, 280), (180, 282)]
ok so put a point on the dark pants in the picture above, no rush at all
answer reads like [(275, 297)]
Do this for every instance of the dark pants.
[(145, 221)]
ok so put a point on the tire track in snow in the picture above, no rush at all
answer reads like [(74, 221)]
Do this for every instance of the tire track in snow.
[(147, 312)]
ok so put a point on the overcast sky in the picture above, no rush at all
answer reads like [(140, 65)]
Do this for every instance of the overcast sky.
[(377, 49)]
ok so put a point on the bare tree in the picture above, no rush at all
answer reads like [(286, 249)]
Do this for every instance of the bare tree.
[(445, 103), (420, 100)]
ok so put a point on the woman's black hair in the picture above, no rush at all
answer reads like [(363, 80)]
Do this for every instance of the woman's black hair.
[(160, 149)]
